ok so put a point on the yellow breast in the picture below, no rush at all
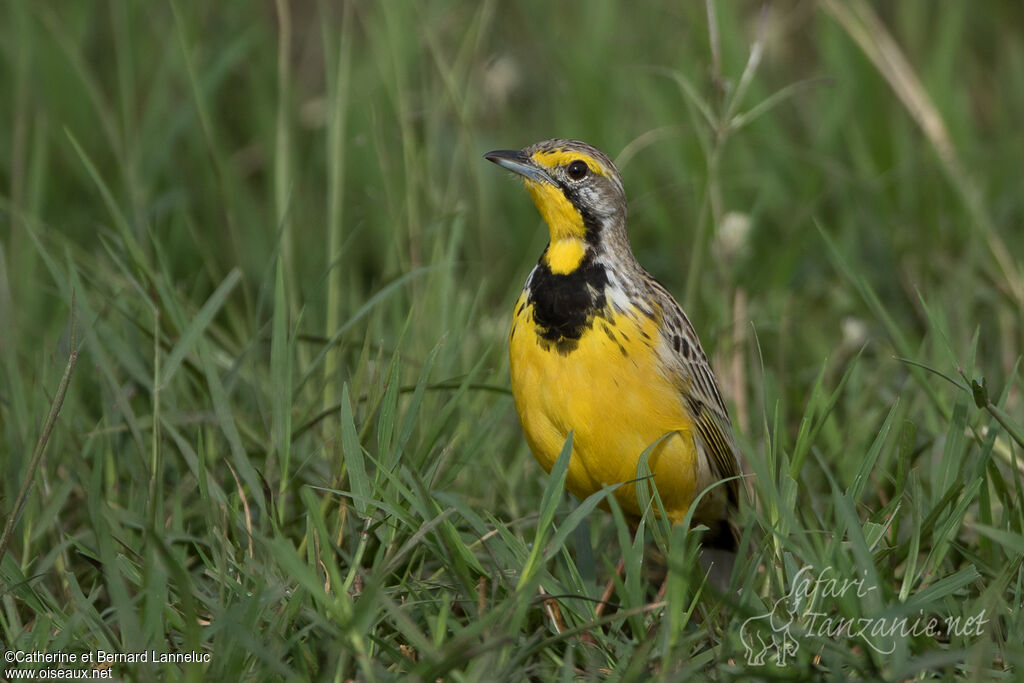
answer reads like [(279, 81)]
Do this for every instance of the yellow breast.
[(614, 395)]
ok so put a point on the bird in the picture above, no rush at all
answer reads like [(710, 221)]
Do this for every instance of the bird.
[(600, 349)]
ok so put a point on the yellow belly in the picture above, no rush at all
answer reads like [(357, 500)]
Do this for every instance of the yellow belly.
[(612, 394)]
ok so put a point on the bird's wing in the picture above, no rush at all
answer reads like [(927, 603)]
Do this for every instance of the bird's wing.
[(702, 399)]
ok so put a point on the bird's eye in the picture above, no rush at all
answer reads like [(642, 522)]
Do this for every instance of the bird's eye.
[(577, 170)]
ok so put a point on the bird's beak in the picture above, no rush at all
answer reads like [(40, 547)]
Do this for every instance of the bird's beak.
[(517, 162)]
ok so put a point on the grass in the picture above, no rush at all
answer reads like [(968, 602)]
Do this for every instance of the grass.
[(288, 441)]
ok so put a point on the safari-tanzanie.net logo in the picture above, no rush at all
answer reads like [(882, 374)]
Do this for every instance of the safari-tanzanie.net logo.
[(808, 611)]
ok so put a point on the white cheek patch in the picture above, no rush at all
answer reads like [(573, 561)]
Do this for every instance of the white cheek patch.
[(590, 197)]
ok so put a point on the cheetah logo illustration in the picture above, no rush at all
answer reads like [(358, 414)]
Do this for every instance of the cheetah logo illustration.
[(781, 641)]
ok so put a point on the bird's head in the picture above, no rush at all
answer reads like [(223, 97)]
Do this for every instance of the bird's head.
[(577, 190)]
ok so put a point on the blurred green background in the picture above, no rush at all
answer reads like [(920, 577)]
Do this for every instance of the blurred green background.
[(293, 275)]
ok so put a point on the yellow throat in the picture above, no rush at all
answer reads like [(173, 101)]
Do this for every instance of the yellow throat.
[(565, 226)]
